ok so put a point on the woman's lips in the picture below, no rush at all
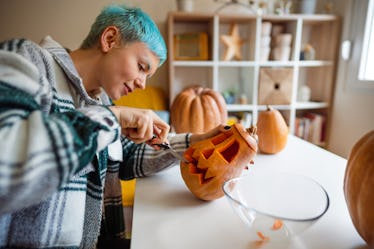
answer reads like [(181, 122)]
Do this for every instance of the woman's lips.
[(127, 89)]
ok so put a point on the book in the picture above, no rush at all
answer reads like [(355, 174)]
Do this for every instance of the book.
[(311, 127)]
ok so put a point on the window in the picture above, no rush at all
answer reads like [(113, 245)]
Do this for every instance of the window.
[(367, 54), (360, 64)]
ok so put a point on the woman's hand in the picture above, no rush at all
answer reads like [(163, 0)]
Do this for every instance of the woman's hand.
[(141, 125), (215, 131)]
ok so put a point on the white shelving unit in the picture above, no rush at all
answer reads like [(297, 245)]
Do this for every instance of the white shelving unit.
[(321, 31)]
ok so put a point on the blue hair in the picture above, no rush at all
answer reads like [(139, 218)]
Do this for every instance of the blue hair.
[(134, 25)]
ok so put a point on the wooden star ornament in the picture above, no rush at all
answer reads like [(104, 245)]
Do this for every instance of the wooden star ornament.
[(233, 44)]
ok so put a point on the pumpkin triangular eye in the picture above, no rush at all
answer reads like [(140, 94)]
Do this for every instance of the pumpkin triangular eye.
[(231, 151), (221, 137)]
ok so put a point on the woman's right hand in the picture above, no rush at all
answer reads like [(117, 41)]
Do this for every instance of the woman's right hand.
[(141, 125)]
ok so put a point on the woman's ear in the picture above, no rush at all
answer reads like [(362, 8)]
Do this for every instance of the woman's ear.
[(109, 38)]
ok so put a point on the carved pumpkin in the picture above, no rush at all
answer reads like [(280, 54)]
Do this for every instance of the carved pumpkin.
[(215, 160), (359, 186), (197, 110), (272, 131)]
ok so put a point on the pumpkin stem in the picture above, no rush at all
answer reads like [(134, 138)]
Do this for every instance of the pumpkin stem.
[(253, 132)]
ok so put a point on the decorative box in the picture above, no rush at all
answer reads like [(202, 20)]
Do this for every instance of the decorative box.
[(191, 46), (275, 86)]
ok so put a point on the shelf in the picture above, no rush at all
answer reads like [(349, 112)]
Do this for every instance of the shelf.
[(244, 77), (239, 108), (278, 107), (311, 105), (236, 63), (188, 16), (277, 64), (311, 63), (315, 63), (192, 63), (298, 106)]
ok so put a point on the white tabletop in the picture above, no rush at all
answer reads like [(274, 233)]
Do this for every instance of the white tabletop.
[(167, 216)]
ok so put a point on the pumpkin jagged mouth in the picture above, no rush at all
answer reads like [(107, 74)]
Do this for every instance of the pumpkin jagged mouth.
[(193, 169), (192, 165), (228, 154)]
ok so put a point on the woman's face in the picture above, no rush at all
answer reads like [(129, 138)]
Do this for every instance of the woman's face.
[(124, 68)]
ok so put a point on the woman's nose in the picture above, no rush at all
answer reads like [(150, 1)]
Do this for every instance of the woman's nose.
[(140, 82)]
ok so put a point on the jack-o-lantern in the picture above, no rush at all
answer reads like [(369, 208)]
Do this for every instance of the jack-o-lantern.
[(213, 161)]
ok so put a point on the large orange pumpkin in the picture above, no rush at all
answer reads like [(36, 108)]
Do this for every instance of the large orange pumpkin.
[(213, 161), (197, 110), (272, 131), (359, 186)]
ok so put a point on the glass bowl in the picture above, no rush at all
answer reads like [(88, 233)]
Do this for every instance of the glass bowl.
[(276, 206)]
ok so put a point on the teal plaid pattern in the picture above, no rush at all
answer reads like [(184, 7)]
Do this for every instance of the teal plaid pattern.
[(51, 190), (59, 186)]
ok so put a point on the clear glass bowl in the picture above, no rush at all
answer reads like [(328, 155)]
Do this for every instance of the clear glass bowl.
[(276, 206)]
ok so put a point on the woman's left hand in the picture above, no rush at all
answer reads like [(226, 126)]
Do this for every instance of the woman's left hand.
[(215, 131)]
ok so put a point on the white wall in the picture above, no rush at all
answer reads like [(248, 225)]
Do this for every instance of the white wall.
[(68, 22), (353, 113)]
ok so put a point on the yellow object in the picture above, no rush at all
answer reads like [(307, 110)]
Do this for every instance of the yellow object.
[(191, 46), (150, 98), (128, 191), (232, 120)]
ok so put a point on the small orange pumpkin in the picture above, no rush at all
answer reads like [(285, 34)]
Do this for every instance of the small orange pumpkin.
[(197, 110), (272, 131), (359, 186), (213, 161)]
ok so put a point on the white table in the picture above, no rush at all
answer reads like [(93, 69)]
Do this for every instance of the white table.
[(168, 216)]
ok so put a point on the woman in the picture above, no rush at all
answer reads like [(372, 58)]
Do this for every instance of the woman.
[(63, 145)]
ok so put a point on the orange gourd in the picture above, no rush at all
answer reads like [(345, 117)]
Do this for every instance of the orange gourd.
[(213, 161), (359, 186), (272, 131), (197, 110)]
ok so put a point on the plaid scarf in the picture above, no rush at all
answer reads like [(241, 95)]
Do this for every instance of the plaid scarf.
[(59, 185)]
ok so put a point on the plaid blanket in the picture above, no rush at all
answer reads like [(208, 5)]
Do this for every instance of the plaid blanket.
[(61, 153)]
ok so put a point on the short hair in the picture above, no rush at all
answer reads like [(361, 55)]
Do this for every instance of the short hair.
[(134, 25)]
